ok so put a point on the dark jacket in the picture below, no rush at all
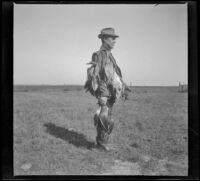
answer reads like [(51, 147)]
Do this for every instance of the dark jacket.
[(98, 83)]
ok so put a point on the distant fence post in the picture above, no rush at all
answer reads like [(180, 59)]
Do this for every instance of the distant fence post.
[(182, 88)]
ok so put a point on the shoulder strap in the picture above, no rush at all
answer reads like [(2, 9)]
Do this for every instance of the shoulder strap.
[(118, 70)]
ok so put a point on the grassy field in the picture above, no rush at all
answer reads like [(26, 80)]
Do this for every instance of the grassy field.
[(54, 132)]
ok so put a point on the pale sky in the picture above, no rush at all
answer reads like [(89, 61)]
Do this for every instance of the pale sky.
[(53, 43)]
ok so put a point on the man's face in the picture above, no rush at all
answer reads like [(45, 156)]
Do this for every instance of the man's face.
[(110, 41)]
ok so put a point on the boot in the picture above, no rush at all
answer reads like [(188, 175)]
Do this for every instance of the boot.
[(103, 147)]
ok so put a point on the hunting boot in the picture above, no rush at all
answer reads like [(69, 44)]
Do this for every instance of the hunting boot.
[(103, 147)]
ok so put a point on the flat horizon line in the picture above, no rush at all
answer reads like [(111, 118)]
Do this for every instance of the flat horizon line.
[(83, 85)]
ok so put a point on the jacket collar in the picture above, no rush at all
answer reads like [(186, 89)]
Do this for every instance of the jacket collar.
[(105, 48)]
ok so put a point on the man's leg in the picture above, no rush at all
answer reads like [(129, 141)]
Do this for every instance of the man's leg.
[(110, 103), (103, 122)]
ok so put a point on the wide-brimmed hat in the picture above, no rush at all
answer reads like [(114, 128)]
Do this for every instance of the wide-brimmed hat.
[(108, 32)]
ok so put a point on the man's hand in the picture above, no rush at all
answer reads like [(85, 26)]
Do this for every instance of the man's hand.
[(127, 88)]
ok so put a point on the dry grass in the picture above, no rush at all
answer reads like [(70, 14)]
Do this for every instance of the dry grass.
[(54, 133)]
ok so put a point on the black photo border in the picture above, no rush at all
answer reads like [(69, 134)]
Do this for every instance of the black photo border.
[(7, 171)]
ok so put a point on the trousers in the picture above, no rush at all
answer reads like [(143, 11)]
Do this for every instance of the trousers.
[(103, 120)]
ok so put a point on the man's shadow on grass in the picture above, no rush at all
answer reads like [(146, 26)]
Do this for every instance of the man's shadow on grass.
[(72, 137)]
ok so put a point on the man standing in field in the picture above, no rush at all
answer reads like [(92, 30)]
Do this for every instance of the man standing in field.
[(106, 84)]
